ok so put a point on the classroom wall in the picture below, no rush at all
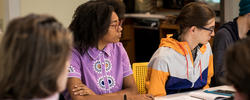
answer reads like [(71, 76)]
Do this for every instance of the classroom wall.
[(1, 18), (231, 9), (62, 9), (1, 14)]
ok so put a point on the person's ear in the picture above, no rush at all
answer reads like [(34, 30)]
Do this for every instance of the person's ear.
[(248, 14), (192, 29)]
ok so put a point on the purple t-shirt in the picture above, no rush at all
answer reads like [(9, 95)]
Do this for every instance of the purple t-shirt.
[(101, 70)]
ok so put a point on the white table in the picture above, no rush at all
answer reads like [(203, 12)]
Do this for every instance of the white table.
[(186, 95)]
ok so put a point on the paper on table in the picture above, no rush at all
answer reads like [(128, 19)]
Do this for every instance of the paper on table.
[(206, 96), (183, 97)]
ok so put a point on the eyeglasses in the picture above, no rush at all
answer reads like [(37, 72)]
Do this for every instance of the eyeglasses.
[(117, 25), (211, 29)]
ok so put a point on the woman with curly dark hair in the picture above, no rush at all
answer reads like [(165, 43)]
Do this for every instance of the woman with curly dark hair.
[(100, 66)]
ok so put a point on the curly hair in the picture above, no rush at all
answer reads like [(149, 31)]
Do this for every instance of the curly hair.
[(34, 51), (90, 23), (118, 5)]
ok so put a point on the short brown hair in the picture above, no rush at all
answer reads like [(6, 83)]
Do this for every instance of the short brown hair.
[(194, 14), (33, 52), (237, 65)]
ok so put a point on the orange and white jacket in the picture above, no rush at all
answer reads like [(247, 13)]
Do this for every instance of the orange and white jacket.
[(172, 69)]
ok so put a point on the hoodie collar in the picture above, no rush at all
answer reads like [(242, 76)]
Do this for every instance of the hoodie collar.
[(174, 44), (94, 52), (203, 49), (179, 46), (232, 27)]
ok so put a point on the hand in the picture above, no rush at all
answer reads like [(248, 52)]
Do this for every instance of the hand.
[(140, 97), (82, 90)]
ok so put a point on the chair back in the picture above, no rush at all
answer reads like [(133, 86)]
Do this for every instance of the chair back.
[(140, 74)]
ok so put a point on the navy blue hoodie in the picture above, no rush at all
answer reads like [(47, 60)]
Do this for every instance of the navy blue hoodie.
[(224, 37)]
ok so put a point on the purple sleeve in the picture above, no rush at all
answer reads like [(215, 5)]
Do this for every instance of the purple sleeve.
[(125, 62), (75, 65)]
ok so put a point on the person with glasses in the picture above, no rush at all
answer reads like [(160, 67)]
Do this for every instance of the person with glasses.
[(99, 66), (184, 62), (226, 36)]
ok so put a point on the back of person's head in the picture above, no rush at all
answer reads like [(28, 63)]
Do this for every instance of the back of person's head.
[(194, 14), (118, 5), (90, 23), (244, 6), (237, 65), (34, 52)]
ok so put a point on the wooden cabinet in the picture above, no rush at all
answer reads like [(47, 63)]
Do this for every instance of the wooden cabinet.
[(128, 39), (166, 28), (141, 42)]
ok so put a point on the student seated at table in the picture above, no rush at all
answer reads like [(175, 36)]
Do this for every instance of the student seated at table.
[(99, 64), (226, 36), (237, 68), (34, 53), (184, 62)]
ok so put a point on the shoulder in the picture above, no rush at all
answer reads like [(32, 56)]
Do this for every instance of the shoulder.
[(222, 38), (161, 59), (222, 34), (75, 57), (116, 47), (162, 53), (75, 53), (226, 31)]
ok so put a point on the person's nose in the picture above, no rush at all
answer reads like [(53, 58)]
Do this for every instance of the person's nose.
[(120, 28), (213, 33)]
